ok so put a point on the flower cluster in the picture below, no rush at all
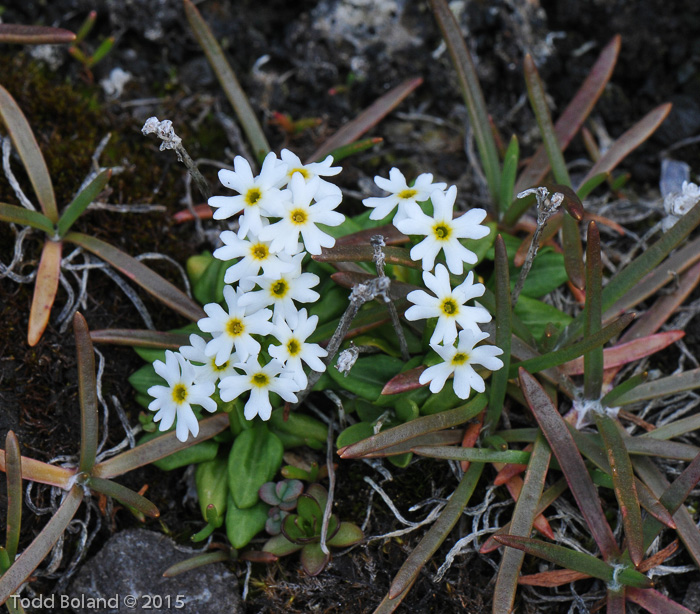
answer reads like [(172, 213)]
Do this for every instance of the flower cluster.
[(442, 233), (280, 210)]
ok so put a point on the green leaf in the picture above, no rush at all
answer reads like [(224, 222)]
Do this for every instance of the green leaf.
[(574, 560), (211, 478), (672, 384), (476, 455), (593, 360), (123, 495), (198, 453), (510, 169), (368, 376), (279, 545), (255, 458), (354, 433), (26, 217), (209, 288), (313, 559), (229, 83), (340, 153), (81, 202), (144, 378), (87, 386), (300, 425), (347, 535), (13, 471), (23, 139), (242, 525)]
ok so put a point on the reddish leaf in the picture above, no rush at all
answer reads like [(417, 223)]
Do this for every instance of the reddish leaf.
[(403, 382), (471, 436), (366, 120), (624, 353), (45, 288), (140, 338), (391, 234), (203, 211), (34, 35), (656, 603), (550, 579)]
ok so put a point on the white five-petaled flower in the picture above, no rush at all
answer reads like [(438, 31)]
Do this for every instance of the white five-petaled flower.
[(299, 217), (257, 196), (459, 360), (448, 305), (281, 291), (401, 194), (261, 381), (206, 369), (294, 348), (442, 232), (234, 328), (176, 399), (309, 171), (254, 255)]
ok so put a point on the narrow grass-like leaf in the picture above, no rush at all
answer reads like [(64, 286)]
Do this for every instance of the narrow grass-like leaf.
[(391, 234), (673, 384), (646, 446), (510, 169), (13, 471), (629, 141), (548, 497), (623, 479), (437, 534), (472, 94), (672, 498), (625, 280), (593, 360), (87, 385), (564, 448), (45, 288), (521, 524), (573, 116), (229, 83), (23, 139), (34, 35), (503, 321), (550, 579), (81, 202), (685, 525), (158, 448), (414, 428), (524, 352), (675, 428), (123, 495), (624, 353), (610, 399), (140, 274), (195, 562), (366, 120), (587, 187), (573, 251), (42, 544), (574, 560), (365, 253), (473, 455), (26, 217), (346, 151), (36, 471), (655, 602), (140, 338), (439, 438), (567, 354), (663, 274), (615, 601)]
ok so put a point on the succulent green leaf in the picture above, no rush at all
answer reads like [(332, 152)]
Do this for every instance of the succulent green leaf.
[(279, 545), (242, 525), (368, 376), (26, 217), (123, 495), (211, 478), (313, 559)]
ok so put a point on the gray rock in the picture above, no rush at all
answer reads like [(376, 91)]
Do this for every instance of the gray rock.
[(692, 597), (128, 574)]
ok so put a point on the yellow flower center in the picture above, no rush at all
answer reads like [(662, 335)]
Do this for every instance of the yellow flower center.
[(406, 194), (298, 216), (234, 327), (293, 347), (180, 393), (279, 288), (218, 367), (253, 196), (259, 251), (460, 358), (260, 380), (442, 232), (449, 307), (304, 173)]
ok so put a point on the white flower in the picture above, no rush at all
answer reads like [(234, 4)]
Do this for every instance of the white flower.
[(678, 204), (281, 291), (309, 171), (176, 399), (261, 381), (233, 328), (299, 217), (442, 232), (447, 305), (207, 370), (294, 348), (401, 194), (459, 360), (257, 195), (254, 254)]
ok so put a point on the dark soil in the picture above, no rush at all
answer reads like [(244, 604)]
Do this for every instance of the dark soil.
[(310, 72)]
